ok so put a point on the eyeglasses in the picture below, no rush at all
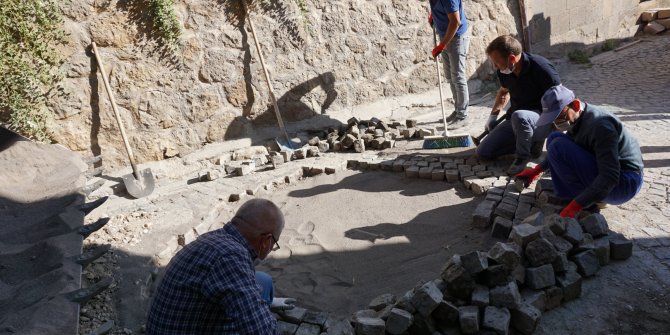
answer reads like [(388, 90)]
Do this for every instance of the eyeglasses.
[(563, 116), (276, 244)]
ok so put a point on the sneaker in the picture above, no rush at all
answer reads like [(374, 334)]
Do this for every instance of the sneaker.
[(536, 149), (451, 117), (460, 122), (518, 165)]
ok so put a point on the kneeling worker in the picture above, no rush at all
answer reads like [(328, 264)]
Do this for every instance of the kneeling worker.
[(596, 161)]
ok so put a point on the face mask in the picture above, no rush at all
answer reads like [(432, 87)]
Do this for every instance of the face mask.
[(508, 70), (563, 126)]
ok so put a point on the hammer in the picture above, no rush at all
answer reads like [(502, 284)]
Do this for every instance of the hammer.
[(479, 138)]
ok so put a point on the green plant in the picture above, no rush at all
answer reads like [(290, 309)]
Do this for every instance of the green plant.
[(610, 44), (166, 22), (29, 33), (302, 5), (579, 57)]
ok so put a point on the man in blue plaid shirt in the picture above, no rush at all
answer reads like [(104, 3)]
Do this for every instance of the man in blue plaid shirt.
[(211, 287)]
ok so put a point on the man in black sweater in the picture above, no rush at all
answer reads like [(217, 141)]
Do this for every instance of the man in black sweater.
[(596, 161)]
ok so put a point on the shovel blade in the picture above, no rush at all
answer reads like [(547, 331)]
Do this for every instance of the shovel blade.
[(142, 187)]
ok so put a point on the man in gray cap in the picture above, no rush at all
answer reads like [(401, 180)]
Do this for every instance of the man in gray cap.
[(595, 161)]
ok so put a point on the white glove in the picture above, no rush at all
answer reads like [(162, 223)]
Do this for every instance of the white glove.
[(491, 123), (282, 304)]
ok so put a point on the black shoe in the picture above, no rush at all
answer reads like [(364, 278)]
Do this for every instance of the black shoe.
[(536, 149), (460, 122), (452, 117)]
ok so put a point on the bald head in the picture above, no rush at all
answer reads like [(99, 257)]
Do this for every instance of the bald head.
[(259, 216)]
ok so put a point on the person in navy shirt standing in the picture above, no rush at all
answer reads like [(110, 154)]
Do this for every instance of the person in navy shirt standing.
[(524, 78), (448, 19)]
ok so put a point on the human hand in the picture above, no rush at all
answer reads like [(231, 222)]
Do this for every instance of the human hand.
[(282, 304), (491, 122), (571, 210), (438, 49), (529, 175)]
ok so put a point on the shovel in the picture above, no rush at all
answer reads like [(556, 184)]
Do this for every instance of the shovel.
[(140, 183)]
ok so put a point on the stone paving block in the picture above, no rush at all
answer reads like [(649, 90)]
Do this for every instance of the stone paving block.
[(620, 249), (544, 185), (412, 172), (438, 175), (554, 296), (560, 244), (387, 165), (295, 315), (501, 183), (468, 317), (352, 164), (602, 249), (573, 231), (525, 318), (497, 320), (422, 325), (522, 211), (398, 165), (339, 327), (496, 275), (381, 301), (653, 28), (537, 299), (464, 168), (316, 318), (482, 215), (467, 181), (286, 328), (571, 284), (459, 161), (535, 219), (493, 197), (388, 144), (505, 296), (398, 321), (527, 199), (496, 191), (595, 224), (450, 166), (587, 243), (510, 200), (477, 168), (540, 252), (548, 198), (505, 210), (410, 123), (474, 262), (426, 173), (587, 263), (426, 298), (560, 264), (524, 233), (435, 165), (451, 175), (480, 296), (540, 277), (370, 326), (501, 228), (556, 223), (446, 314), (484, 174), (459, 282), (505, 254)]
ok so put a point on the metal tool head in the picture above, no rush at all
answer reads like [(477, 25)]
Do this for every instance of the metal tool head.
[(142, 187)]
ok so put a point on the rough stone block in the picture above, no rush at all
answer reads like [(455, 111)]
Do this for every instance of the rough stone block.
[(468, 317), (388, 144), (387, 165), (466, 174), (602, 249), (446, 314), (398, 321), (620, 249), (548, 198), (410, 123), (560, 244), (497, 320), (398, 165), (359, 146), (474, 262), (295, 315), (412, 172), (525, 318), (409, 133), (438, 175), (587, 263), (286, 328), (544, 185), (493, 197), (482, 215), (496, 191), (560, 264), (422, 325), (653, 28), (535, 219), (522, 211), (484, 174), (505, 296), (501, 228), (506, 210), (510, 200), (496, 275), (554, 296), (380, 302), (480, 296), (571, 284), (524, 233), (426, 298), (452, 175), (540, 277), (540, 252), (573, 231), (370, 326), (426, 173), (459, 282), (556, 223), (537, 299), (506, 254), (595, 224), (649, 15)]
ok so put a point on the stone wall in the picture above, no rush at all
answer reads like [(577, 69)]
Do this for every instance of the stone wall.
[(334, 55), (559, 26)]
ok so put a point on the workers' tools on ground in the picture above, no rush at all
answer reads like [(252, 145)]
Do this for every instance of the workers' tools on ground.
[(446, 141), (479, 138), (140, 183), (267, 77)]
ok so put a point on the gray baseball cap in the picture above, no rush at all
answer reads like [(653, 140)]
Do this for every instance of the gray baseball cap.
[(553, 102)]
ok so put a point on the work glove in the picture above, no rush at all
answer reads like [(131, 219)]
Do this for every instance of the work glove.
[(438, 49), (282, 304), (571, 210), (491, 122), (430, 19), (530, 175)]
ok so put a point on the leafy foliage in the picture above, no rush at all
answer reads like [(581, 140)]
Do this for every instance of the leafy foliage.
[(166, 22), (29, 31)]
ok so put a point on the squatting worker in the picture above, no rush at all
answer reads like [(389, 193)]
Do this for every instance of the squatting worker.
[(596, 162), (448, 19), (211, 287), (523, 79)]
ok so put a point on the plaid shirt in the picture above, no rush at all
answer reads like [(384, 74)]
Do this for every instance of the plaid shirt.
[(210, 288)]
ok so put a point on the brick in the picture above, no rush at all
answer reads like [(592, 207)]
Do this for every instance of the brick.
[(407, 164), (587, 243), (554, 296), (595, 224), (477, 168), (540, 252), (286, 328), (505, 254), (459, 282), (451, 175), (365, 164), (482, 215), (501, 183), (480, 296), (379, 302), (339, 327), (525, 318), (426, 298), (505, 296), (398, 321), (573, 231), (620, 249), (426, 173), (524, 233), (537, 299), (540, 277), (438, 175), (587, 263), (468, 317), (481, 186), (474, 262), (398, 165), (412, 172), (497, 320), (501, 228), (571, 284), (370, 326), (560, 264), (560, 244), (450, 166)]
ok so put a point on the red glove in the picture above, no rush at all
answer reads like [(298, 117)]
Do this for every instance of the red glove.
[(438, 49), (530, 174), (571, 210), (430, 19)]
